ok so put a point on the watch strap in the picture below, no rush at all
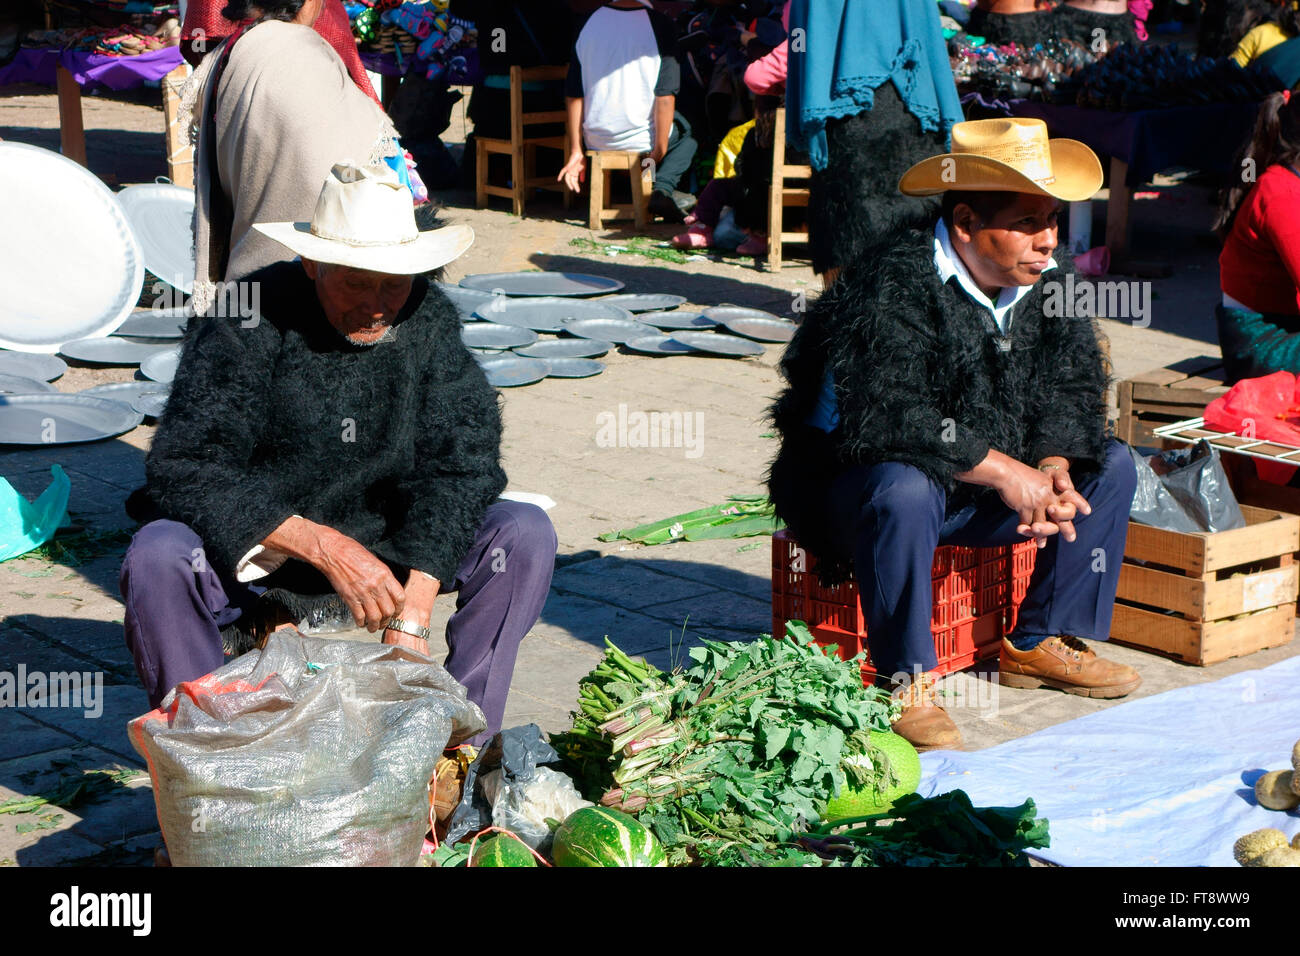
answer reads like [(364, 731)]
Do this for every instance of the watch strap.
[(408, 627)]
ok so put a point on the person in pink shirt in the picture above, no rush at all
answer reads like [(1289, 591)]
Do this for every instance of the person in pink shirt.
[(746, 191), (766, 75)]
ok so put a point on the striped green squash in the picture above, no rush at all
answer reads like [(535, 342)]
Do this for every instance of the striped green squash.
[(601, 836), (502, 850)]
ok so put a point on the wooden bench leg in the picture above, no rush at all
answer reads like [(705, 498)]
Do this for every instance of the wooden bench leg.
[(642, 185), (72, 131), (596, 186), (519, 175), (481, 160), (775, 223), (1117, 209)]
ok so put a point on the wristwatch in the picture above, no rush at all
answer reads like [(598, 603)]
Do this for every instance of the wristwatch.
[(407, 627)]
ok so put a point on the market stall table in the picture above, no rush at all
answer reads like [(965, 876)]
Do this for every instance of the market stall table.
[(71, 71), (1142, 143)]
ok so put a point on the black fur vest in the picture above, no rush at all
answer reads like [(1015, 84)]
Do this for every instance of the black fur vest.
[(922, 376)]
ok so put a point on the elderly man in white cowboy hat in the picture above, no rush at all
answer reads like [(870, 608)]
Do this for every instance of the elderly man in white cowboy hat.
[(936, 396), (340, 447)]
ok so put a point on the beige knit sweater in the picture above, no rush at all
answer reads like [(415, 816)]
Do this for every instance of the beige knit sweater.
[(286, 112)]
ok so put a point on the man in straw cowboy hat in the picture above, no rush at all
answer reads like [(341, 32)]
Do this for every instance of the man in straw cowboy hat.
[(342, 445), (936, 397)]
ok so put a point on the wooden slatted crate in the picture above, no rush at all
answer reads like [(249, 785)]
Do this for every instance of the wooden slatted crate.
[(1204, 598), (1165, 395)]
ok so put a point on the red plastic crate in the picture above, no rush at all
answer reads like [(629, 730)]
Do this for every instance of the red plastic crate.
[(1022, 569), (975, 592)]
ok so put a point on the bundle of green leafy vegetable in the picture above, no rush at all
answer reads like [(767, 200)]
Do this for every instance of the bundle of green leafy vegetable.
[(731, 761), (741, 516)]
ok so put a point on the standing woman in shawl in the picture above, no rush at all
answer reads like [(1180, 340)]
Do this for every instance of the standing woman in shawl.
[(870, 92), (276, 108)]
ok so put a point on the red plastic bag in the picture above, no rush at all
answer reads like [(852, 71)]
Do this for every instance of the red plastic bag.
[(1267, 408)]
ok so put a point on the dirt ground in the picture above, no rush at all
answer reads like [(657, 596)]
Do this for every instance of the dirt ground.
[(64, 612)]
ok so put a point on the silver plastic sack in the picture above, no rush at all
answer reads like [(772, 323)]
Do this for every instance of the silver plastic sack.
[(308, 752), (1185, 489)]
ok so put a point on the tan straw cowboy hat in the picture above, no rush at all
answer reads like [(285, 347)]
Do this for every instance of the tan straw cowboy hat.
[(365, 218), (1013, 155)]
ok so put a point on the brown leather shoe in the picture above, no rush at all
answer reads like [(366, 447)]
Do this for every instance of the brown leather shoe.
[(1068, 664), (923, 723)]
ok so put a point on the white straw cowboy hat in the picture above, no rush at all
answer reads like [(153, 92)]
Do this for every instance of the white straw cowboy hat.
[(365, 218), (1013, 155)]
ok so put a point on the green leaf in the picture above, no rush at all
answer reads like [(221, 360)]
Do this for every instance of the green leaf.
[(774, 740)]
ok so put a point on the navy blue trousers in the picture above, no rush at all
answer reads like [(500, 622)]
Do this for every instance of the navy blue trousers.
[(890, 517), (175, 612)]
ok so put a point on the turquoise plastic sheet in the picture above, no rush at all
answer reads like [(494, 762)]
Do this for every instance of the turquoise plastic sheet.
[(24, 524)]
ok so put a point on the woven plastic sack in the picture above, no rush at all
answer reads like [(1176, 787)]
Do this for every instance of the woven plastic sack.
[(308, 752)]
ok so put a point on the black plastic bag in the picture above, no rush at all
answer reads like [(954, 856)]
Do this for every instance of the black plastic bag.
[(518, 751), (1185, 489)]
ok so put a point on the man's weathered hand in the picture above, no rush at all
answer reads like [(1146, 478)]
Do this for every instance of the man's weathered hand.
[(1069, 504), (364, 582), (1030, 493)]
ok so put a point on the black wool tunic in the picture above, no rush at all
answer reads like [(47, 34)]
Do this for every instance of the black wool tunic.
[(396, 444), (921, 378)]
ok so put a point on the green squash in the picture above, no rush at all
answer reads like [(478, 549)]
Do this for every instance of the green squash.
[(501, 850), (601, 836), (893, 757)]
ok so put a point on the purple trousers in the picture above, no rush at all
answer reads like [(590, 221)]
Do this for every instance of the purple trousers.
[(175, 613)]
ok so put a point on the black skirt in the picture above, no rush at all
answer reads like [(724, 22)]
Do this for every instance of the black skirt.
[(1081, 26), (1022, 29), (856, 198)]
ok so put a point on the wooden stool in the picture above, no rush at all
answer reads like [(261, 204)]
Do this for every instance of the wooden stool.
[(603, 162), (521, 148), (781, 194)]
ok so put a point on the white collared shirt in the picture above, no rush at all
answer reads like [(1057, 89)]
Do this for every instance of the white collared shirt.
[(948, 264)]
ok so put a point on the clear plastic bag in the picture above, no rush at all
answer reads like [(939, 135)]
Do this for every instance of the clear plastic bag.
[(522, 807), (308, 752)]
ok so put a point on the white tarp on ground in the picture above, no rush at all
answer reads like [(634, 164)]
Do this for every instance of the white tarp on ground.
[(1162, 781)]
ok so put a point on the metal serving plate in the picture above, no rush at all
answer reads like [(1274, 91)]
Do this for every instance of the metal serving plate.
[(161, 215), (565, 348), (155, 324), (22, 385), (508, 371), (70, 264), (465, 300), (763, 330), (151, 404), (60, 419), (677, 320), (721, 313), (45, 368), (574, 367), (546, 314), (489, 335), (112, 350), (658, 345), (541, 283), (162, 366), (607, 330), (645, 301), (719, 344), (126, 392)]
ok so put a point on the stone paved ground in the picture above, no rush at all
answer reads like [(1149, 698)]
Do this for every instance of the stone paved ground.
[(65, 614)]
